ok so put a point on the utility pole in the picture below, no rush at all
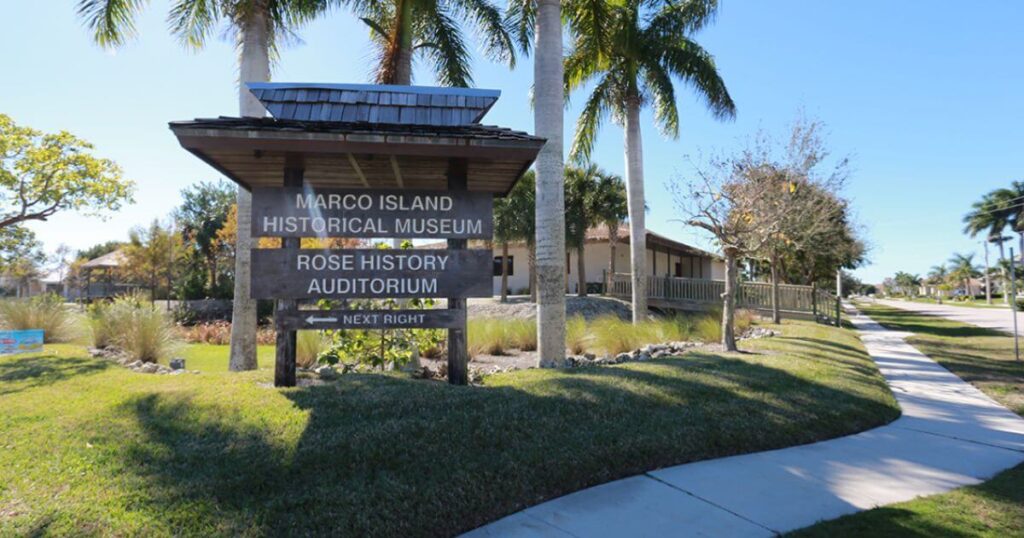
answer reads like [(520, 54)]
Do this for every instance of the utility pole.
[(988, 282), (1013, 305)]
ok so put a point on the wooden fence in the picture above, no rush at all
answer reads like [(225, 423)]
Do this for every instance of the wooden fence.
[(702, 294)]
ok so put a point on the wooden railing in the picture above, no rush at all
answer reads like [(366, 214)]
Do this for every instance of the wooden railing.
[(698, 292)]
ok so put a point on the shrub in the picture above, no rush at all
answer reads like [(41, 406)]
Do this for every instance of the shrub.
[(136, 327), (577, 337), (218, 333), (46, 312), (521, 334), (308, 346), (486, 336)]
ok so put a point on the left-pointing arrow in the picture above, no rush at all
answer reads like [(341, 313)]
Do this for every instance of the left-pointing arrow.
[(314, 320)]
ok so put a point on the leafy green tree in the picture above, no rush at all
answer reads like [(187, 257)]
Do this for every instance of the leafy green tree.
[(257, 27), (151, 256), (21, 256), (43, 174), (99, 249), (204, 210), (404, 30), (938, 277), (630, 52), (907, 283)]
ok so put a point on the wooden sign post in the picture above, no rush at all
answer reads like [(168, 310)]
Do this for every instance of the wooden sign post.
[(292, 273), (367, 161)]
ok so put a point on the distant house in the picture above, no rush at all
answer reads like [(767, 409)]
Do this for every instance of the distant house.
[(13, 286), (665, 257)]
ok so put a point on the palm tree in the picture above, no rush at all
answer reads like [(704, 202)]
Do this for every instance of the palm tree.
[(610, 208), (938, 276), (402, 30), (592, 197), (990, 215), (513, 221), (962, 270), (257, 25), (631, 51), (539, 24), (1009, 203)]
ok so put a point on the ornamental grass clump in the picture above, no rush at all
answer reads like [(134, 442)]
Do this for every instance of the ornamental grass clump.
[(487, 336), (308, 347), (521, 334), (577, 336), (46, 312), (135, 326), (613, 335)]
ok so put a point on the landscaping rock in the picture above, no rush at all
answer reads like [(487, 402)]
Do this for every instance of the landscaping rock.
[(326, 373), (643, 357), (149, 368), (623, 357), (757, 332)]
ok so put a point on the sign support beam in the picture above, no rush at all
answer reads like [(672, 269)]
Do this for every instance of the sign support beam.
[(284, 363), (458, 350)]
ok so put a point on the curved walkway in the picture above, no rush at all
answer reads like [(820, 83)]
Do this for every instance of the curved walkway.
[(949, 435)]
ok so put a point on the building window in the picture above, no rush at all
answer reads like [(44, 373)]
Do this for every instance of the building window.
[(511, 265)]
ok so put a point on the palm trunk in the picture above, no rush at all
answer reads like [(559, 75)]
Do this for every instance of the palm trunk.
[(613, 241), (504, 271), (581, 270), (254, 66), (729, 302), (776, 314), (1002, 272), (635, 200), (403, 67), (550, 220)]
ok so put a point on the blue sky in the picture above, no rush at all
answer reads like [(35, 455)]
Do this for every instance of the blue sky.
[(925, 97)]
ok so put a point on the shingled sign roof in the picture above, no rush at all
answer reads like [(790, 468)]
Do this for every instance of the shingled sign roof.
[(360, 103), (364, 136)]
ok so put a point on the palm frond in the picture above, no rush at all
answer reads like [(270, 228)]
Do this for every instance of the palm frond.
[(658, 84), (597, 107), (691, 63), (521, 18), (491, 28), (111, 21), (193, 20), (450, 55), (681, 18)]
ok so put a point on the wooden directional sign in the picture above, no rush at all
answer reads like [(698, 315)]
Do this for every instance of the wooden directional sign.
[(371, 319), (370, 273), (365, 213)]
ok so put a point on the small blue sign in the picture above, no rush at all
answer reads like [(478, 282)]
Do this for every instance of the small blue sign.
[(14, 342)]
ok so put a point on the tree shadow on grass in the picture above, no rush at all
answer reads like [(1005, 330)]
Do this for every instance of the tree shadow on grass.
[(22, 373), (383, 455)]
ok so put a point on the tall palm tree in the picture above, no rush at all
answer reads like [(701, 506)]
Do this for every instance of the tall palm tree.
[(258, 26), (632, 51), (1009, 202), (990, 215), (539, 25), (402, 30)]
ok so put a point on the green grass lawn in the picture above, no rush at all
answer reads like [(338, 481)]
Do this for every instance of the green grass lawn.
[(212, 358), (995, 508), (87, 447)]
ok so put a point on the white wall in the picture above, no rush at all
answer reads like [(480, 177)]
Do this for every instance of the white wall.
[(597, 260)]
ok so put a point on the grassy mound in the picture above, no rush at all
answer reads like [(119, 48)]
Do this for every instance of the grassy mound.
[(90, 448)]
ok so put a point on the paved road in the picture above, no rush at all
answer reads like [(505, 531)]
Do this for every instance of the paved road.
[(950, 435), (989, 318)]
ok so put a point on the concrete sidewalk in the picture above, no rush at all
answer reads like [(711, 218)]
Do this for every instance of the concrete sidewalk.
[(999, 319), (950, 435)]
